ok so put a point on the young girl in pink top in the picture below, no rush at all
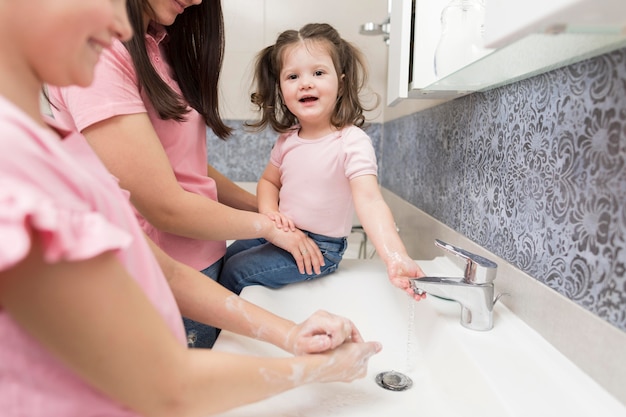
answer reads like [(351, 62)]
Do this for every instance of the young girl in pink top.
[(322, 166), (146, 116), (88, 323)]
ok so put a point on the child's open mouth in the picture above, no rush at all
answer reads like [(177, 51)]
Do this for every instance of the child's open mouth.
[(307, 99)]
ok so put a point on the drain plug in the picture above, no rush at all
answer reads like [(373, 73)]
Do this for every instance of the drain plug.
[(394, 381)]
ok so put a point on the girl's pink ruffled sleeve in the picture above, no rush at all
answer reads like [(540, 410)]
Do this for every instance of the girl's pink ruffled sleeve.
[(67, 233)]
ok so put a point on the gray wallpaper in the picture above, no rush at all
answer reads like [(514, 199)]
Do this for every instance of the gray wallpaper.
[(534, 172), (245, 154)]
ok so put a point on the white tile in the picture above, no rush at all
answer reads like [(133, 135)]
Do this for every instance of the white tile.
[(244, 21), (235, 86)]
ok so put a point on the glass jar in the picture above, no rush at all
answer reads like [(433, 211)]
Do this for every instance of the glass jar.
[(461, 41)]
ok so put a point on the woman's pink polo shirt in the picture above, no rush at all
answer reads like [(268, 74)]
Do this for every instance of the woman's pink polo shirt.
[(115, 92)]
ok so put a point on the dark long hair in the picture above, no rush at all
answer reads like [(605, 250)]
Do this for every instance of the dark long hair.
[(347, 59), (195, 51)]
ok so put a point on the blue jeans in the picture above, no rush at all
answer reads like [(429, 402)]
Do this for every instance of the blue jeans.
[(258, 262), (201, 335)]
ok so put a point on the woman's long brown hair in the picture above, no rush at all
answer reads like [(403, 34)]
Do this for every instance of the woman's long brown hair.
[(195, 51)]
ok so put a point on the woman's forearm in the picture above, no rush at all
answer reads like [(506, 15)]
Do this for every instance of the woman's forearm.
[(208, 302), (198, 217), (131, 150), (230, 193), (234, 380)]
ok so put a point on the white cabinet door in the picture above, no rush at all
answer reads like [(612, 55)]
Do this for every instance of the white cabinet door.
[(415, 30), (525, 38), (399, 50)]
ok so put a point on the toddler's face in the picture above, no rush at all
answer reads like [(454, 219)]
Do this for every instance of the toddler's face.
[(309, 83)]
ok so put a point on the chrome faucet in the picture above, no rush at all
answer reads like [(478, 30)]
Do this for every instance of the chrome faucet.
[(474, 291)]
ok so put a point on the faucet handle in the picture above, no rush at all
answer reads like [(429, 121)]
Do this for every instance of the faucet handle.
[(478, 269)]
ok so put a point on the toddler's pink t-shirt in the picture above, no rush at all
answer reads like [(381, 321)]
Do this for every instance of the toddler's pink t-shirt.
[(315, 178), (115, 92), (60, 190)]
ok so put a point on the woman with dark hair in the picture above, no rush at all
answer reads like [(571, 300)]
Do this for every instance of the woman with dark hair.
[(146, 116), (88, 323)]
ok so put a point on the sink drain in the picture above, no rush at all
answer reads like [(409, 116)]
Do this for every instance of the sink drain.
[(393, 381)]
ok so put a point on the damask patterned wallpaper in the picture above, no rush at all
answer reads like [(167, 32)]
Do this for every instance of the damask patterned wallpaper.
[(535, 172)]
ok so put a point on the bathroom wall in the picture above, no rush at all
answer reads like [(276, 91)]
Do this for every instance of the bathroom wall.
[(534, 172), (244, 155)]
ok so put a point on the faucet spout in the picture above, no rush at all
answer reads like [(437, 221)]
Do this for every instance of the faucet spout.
[(476, 300), (474, 291)]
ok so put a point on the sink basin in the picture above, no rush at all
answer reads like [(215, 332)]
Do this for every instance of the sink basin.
[(507, 371)]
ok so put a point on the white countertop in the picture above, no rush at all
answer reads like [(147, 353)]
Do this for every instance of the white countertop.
[(507, 371)]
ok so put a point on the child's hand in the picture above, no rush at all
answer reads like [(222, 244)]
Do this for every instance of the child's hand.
[(281, 221), (400, 269)]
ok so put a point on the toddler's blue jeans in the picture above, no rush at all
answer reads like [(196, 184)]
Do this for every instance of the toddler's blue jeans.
[(200, 335), (259, 262)]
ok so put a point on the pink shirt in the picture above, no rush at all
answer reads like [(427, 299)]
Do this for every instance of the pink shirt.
[(115, 92), (60, 189), (315, 177)]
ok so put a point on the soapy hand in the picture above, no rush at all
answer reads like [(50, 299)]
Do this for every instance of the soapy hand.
[(346, 363), (400, 269), (343, 355), (321, 332)]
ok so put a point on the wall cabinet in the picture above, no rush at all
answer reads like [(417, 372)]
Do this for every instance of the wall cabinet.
[(521, 39)]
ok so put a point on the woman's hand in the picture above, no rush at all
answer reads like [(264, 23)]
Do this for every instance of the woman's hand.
[(346, 363), (321, 332), (344, 354), (305, 252), (282, 222), (401, 269)]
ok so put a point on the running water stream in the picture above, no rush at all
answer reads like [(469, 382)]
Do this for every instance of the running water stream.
[(410, 356)]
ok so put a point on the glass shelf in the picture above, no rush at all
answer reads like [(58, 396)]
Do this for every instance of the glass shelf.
[(529, 56)]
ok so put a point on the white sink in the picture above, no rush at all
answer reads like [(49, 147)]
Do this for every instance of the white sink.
[(507, 371)]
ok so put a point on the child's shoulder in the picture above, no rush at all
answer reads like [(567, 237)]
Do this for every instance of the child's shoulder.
[(285, 136), (352, 132)]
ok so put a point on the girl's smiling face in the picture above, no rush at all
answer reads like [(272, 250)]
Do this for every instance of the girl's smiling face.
[(309, 85)]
